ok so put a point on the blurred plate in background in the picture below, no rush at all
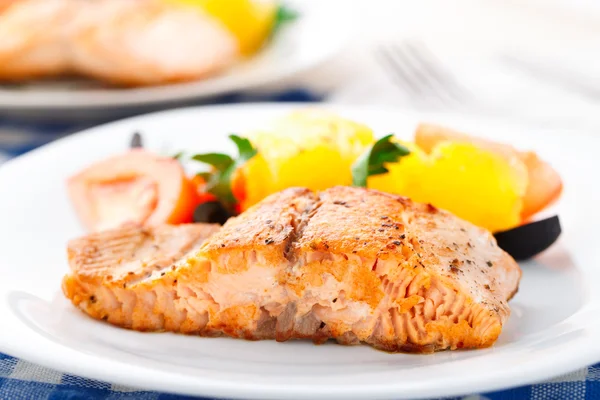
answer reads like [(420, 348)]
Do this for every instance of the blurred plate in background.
[(299, 46)]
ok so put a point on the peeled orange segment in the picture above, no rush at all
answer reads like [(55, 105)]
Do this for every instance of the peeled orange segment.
[(545, 185), (250, 21), (134, 188)]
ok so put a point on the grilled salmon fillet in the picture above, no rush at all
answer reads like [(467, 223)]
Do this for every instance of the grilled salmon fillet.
[(350, 264)]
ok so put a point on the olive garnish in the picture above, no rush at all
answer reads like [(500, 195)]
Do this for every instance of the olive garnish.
[(136, 141), (526, 241), (212, 212)]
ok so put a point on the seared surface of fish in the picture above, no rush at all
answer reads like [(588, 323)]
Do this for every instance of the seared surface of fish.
[(350, 264)]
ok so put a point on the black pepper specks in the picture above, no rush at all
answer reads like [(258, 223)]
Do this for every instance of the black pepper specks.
[(322, 325), (341, 203), (403, 236), (397, 242), (92, 299), (489, 263), (454, 265), (487, 287), (269, 241)]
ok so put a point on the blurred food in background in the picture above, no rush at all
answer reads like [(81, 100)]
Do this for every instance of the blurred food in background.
[(132, 42)]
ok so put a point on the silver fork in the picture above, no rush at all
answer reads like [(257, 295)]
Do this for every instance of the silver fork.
[(417, 72)]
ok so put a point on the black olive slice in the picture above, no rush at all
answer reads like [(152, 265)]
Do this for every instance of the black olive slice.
[(211, 212), (526, 241), (136, 141)]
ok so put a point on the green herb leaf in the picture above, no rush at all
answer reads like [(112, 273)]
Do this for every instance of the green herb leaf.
[(372, 161), (283, 16), (218, 182), (245, 149), (205, 175), (220, 161)]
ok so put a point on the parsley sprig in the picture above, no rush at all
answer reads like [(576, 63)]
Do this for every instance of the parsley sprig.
[(284, 15), (218, 181), (372, 161)]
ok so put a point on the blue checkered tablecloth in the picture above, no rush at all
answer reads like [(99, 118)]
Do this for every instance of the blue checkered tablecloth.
[(21, 380)]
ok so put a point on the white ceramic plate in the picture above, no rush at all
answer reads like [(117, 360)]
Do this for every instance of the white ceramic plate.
[(300, 45), (554, 327)]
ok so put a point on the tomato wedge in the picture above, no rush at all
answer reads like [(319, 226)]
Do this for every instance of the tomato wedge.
[(138, 187)]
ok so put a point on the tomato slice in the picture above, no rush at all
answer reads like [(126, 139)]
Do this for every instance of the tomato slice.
[(134, 188)]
